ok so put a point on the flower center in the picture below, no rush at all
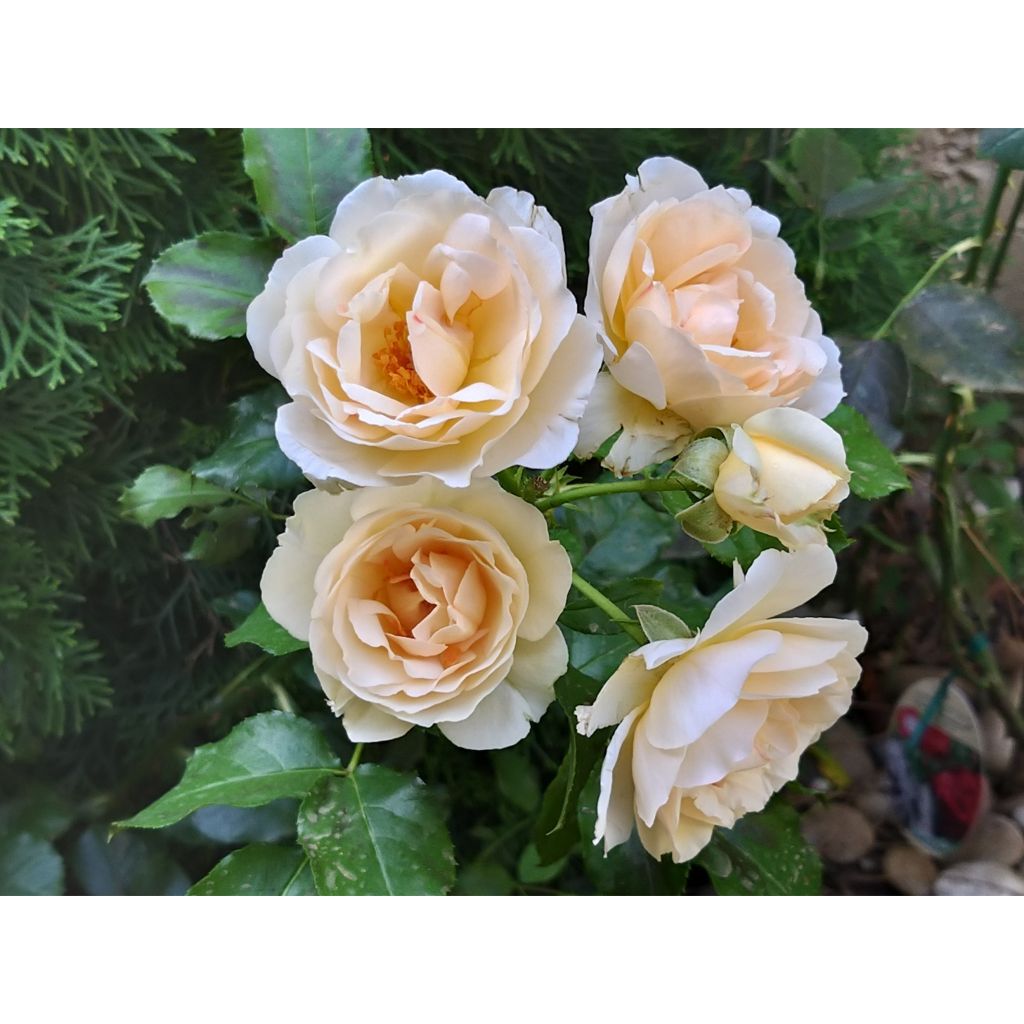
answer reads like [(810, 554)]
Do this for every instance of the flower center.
[(395, 362)]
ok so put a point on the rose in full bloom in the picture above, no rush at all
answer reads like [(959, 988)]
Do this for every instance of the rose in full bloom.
[(425, 605), (704, 320), (785, 475), (709, 727), (430, 333)]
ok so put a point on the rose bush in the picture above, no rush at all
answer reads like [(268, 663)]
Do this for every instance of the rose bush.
[(710, 726), (431, 332), (425, 605), (704, 320), (427, 342), (784, 476)]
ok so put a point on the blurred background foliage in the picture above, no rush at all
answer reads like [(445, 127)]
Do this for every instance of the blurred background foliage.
[(111, 655)]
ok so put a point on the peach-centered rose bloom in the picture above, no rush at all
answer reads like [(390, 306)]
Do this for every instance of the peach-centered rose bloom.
[(709, 727), (430, 333), (425, 605), (704, 320), (785, 475)]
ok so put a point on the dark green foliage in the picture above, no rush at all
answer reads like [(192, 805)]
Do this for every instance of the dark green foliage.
[(763, 855), (81, 215)]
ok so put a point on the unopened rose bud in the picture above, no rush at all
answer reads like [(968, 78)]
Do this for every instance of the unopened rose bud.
[(786, 474)]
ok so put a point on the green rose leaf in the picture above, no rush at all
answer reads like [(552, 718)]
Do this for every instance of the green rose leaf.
[(620, 535), (301, 174), (864, 197), (39, 811), (557, 827), (789, 181), (963, 337), (162, 492), (763, 855), (824, 163), (29, 866), (259, 870), (260, 629), (875, 471), (743, 546), (597, 655), (835, 533), (265, 757), (376, 832), (1004, 145), (516, 777), (877, 381), (249, 455), (227, 533), (206, 284)]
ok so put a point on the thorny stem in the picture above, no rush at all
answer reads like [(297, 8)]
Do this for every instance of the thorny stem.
[(1004, 243), (610, 608), (953, 250), (575, 491), (988, 220)]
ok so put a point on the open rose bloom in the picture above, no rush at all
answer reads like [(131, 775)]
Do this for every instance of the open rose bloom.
[(431, 332), (709, 727), (425, 605), (704, 320)]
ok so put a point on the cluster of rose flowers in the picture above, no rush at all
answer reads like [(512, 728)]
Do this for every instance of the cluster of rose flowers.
[(430, 341)]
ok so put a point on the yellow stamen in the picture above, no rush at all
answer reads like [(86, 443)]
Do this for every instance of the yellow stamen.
[(395, 362)]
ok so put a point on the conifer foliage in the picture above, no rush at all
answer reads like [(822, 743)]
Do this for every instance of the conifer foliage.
[(82, 213)]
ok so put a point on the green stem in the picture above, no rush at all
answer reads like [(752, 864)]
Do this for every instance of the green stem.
[(1004, 242), (610, 608), (575, 491), (281, 698), (353, 763), (884, 539), (988, 220), (954, 250), (236, 681)]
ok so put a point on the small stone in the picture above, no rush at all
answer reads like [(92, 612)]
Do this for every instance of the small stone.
[(979, 878), (839, 833), (875, 806), (849, 748), (997, 838), (1014, 807), (997, 745), (909, 870)]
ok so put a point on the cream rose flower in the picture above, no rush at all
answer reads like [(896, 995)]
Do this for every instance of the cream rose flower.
[(704, 321), (785, 475), (710, 727), (430, 333), (425, 605)]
